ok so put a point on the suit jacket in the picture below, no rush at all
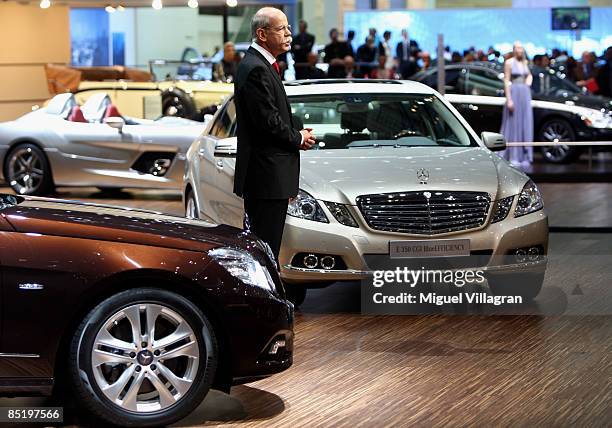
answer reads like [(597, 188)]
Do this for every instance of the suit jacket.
[(268, 158), (413, 50)]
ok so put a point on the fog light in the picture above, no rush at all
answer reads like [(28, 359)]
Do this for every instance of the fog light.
[(160, 167), (521, 255), (311, 261), (533, 254), (278, 343), (328, 262)]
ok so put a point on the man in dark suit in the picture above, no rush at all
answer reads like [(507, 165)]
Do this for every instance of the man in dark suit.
[(407, 52), (301, 46), (335, 52), (268, 158)]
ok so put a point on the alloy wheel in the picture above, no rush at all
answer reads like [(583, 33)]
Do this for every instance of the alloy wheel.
[(556, 132), (145, 358), (25, 171)]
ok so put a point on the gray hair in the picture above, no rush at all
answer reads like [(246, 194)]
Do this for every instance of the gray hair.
[(260, 20)]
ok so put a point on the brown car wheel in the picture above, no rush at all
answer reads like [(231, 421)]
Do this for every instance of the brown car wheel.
[(143, 357)]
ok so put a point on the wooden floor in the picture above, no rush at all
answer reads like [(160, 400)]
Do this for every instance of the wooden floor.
[(550, 364)]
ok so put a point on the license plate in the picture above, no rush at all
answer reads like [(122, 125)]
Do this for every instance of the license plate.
[(429, 248)]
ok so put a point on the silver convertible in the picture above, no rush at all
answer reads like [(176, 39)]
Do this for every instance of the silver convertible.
[(397, 176), (65, 144)]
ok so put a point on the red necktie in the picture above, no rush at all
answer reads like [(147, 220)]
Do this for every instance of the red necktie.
[(276, 67)]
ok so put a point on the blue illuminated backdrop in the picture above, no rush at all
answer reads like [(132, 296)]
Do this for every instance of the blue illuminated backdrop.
[(482, 28)]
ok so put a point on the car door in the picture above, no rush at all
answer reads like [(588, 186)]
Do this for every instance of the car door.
[(216, 198), (4, 227)]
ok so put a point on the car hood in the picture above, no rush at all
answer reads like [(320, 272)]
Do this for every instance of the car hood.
[(342, 175), (103, 222)]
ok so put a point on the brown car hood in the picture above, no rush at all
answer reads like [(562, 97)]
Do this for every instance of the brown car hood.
[(103, 222)]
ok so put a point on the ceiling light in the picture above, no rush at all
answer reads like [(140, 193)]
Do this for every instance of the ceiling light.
[(120, 8), (231, 3), (157, 4), (109, 9), (192, 4), (45, 4)]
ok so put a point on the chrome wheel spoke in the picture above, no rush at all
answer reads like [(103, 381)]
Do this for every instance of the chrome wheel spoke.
[(166, 398), (130, 399), (114, 390), (133, 315), (106, 339), (182, 332), (179, 383), (152, 312), (103, 357), (19, 176), (187, 350)]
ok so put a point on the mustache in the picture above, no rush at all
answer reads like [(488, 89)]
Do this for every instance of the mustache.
[(289, 39)]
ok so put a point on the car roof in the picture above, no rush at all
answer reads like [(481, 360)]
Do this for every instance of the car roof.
[(351, 86)]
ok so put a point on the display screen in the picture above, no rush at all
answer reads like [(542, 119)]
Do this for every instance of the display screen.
[(571, 18)]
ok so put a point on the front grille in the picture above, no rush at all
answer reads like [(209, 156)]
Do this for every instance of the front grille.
[(424, 213)]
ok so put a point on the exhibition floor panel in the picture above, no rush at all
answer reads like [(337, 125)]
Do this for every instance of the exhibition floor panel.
[(544, 363)]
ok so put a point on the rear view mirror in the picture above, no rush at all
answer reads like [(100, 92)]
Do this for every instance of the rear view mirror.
[(493, 141), (115, 122), (226, 148)]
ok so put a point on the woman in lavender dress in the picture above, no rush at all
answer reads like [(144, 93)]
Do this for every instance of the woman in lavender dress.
[(517, 119)]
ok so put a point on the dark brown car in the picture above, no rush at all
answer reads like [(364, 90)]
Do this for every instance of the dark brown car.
[(139, 313)]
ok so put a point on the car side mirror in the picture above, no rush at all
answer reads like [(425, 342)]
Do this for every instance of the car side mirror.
[(226, 148), (493, 141), (115, 122)]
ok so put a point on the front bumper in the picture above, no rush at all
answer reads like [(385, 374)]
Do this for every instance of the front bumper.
[(357, 247)]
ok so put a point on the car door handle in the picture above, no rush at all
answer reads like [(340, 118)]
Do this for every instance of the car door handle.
[(219, 164), (469, 106)]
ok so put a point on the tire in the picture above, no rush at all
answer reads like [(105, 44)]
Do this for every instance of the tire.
[(177, 103), (296, 294), (115, 364), (110, 189), (27, 170), (559, 130), (191, 207), (525, 285)]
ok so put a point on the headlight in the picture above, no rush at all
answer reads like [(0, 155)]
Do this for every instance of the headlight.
[(243, 266), (502, 208), (529, 200), (342, 214), (596, 119), (306, 207)]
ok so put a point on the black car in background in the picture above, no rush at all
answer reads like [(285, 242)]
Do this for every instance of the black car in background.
[(562, 111)]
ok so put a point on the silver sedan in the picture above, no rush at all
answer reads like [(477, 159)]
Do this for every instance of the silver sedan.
[(64, 144), (397, 175)]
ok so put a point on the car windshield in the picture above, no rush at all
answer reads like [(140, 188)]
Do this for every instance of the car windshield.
[(353, 121), (548, 82)]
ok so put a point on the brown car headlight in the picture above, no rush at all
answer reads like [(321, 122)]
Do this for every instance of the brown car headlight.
[(341, 213), (243, 266), (530, 200), (502, 208)]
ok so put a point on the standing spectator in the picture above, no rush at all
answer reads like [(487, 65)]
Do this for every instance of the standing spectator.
[(366, 56), (447, 54), (350, 36), (425, 61), (541, 61), (406, 53), (517, 118), (585, 69), (384, 48), (311, 71), (225, 70), (301, 46), (456, 57), (604, 75), (382, 72), (335, 52)]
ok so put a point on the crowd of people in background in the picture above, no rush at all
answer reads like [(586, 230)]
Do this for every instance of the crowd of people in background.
[(376, 58)]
